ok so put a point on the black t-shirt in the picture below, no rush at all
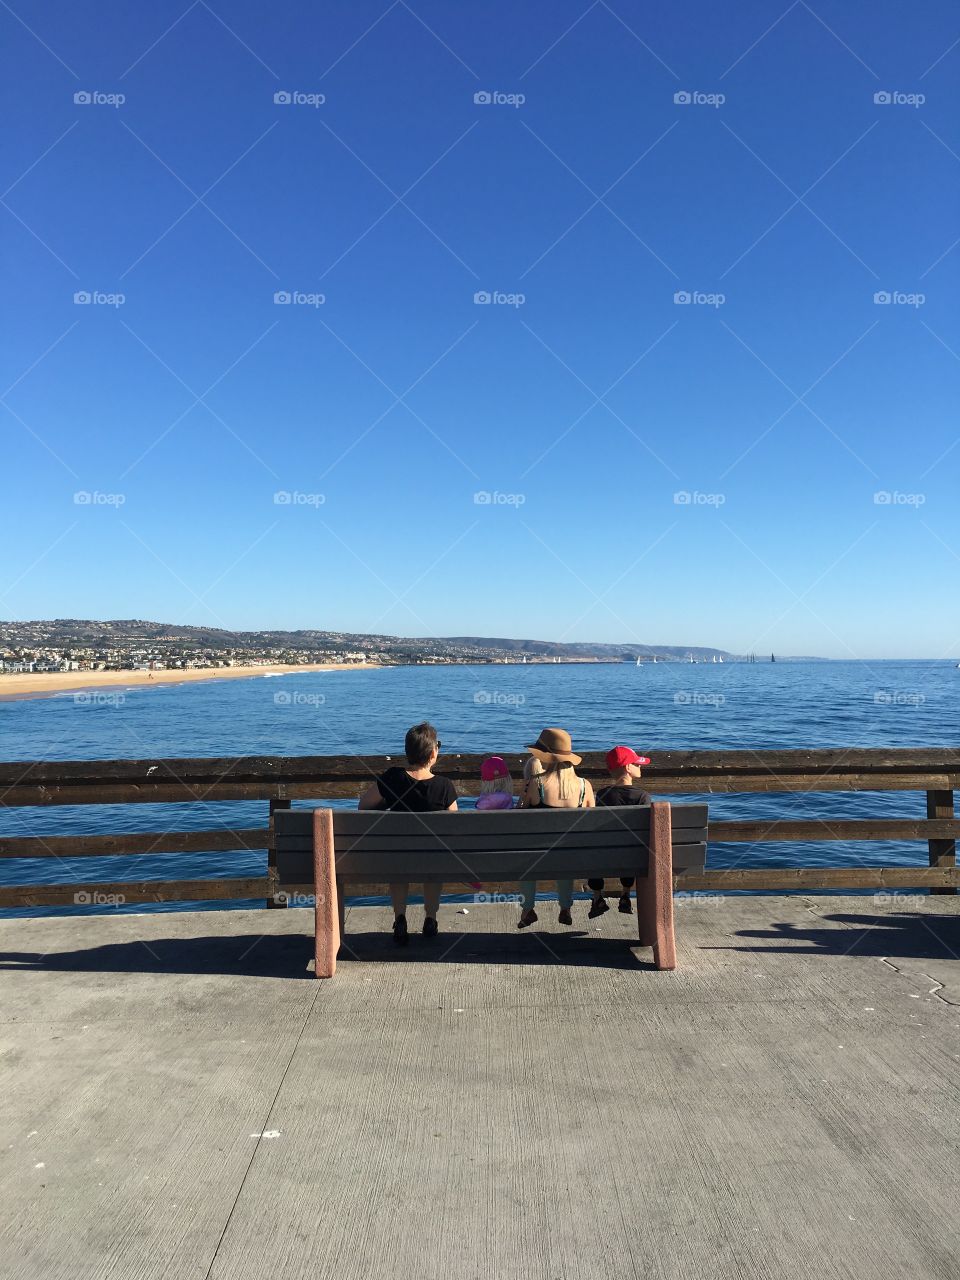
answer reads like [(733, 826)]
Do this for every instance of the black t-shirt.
[(415, 795), (610, 797)]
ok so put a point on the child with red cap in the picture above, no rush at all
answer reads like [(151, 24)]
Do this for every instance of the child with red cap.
[(624, 766)]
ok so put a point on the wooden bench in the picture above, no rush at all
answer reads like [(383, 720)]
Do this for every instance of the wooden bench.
[(319, 851)]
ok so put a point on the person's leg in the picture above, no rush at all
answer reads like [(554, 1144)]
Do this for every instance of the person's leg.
[(565, 899), (599, 904), (528, 915), (624, 904), (431, 905), (398, 897)]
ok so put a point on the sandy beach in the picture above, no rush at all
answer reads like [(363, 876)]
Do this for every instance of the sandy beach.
[(15, 685)]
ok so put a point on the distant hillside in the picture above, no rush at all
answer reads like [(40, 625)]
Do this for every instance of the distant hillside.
[(75, 632)]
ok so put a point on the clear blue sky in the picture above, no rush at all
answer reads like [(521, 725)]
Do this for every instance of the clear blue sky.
[(399, 398)]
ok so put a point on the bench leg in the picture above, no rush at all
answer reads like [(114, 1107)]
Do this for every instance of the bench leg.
[(328, 915), (659, 890), (644, 913)]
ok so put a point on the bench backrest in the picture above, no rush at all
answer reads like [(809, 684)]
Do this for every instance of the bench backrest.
[(519, 844)]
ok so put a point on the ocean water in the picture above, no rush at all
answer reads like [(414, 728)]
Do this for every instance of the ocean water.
[(480, 709)]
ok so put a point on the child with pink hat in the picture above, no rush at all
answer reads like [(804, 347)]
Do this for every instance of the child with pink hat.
[(496, 785)]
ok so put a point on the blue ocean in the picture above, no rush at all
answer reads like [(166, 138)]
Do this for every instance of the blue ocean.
[(480, 709)]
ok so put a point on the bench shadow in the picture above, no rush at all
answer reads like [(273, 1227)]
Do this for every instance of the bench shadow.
[(288, 955), (910, 935)]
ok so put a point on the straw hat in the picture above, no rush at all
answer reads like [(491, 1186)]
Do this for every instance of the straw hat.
[(554, 747)]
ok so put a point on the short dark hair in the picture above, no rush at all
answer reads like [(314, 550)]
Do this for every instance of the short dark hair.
[(419, 744)]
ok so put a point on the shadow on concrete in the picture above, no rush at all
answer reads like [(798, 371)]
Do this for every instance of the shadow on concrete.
[(911, 935), (288, 955)]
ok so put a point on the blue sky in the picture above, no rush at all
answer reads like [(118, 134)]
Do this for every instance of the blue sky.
[(780, 400)]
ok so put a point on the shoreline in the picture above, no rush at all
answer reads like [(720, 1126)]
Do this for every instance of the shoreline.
[(16, 687)]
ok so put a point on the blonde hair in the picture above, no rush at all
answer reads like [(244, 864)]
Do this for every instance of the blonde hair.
[(566, 775), (532, 768)]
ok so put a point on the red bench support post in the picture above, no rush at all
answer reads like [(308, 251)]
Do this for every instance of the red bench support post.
[(327, 897), (655, 909)]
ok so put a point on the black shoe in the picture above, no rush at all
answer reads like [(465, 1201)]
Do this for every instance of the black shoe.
[(597, 908), (625, 905), (565, 917), (400, 931), (528, 918), (430, 928)]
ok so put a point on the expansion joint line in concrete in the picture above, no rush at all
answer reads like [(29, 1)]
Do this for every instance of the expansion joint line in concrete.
[(266, 1120)]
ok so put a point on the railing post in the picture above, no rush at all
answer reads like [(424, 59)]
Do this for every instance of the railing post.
[(272, 902), (943, 853)]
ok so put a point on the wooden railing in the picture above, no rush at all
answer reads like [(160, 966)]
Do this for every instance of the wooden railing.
[(280, 780)]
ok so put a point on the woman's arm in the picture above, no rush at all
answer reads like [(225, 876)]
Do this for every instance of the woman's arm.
[(589, 799), (371, 798)]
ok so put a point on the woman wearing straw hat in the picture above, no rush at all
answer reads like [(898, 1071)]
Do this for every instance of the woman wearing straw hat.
[(555, 786)]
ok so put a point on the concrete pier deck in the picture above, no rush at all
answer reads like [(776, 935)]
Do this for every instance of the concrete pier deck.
[(180, 1098)]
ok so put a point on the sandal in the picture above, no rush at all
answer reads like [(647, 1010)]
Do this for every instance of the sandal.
[(528, 918)]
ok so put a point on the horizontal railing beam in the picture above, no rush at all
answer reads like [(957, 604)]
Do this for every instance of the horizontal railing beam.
[(140, 842), (123, 893), (775, 830)]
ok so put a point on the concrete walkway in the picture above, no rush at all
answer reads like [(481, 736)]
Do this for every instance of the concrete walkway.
[(181, 1099)]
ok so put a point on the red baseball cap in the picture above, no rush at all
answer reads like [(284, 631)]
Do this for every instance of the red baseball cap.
[(620, 757)]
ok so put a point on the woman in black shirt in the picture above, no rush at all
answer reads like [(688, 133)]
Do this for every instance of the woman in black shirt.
[(414, 789)]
